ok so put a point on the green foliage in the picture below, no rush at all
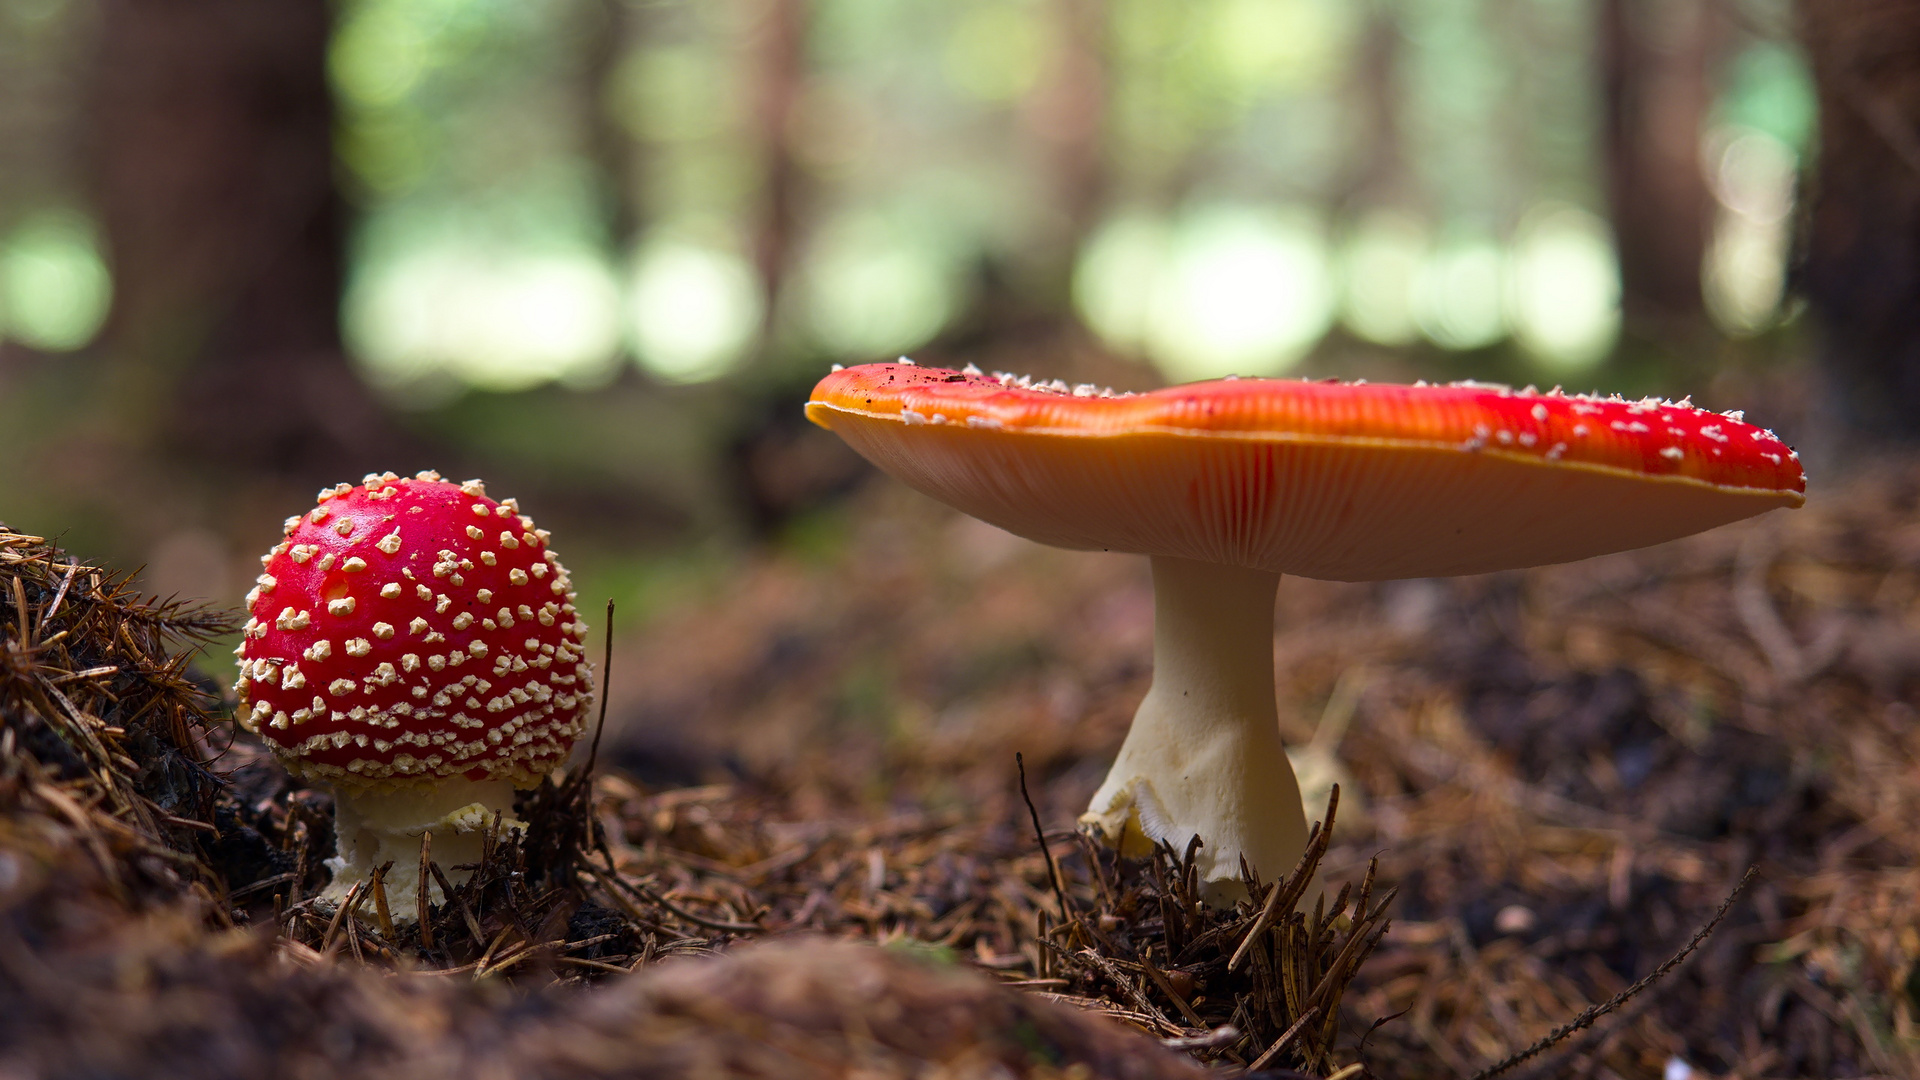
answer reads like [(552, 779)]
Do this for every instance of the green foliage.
[(1769, 88)]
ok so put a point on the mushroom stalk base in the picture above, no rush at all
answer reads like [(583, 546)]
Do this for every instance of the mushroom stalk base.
[(372, 828), (1204, 756)]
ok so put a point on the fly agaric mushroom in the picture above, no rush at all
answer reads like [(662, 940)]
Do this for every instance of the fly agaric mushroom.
[(1227, 485), (414, 644)]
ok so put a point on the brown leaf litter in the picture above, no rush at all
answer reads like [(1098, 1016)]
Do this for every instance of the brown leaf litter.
[(1561, 772), (119, 960), (157, 914)]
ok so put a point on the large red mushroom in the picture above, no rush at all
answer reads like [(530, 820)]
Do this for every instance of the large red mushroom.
[(1227, 485), (413, 644)]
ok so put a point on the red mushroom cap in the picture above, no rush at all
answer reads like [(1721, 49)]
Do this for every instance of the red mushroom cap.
[(1342, 481), (413, 629)]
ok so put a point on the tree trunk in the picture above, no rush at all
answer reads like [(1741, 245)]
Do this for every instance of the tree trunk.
[(1376, 174), (1859, 263), (780, 64), (213, 169), (1066, 115), (610, 33), (1656, 57)]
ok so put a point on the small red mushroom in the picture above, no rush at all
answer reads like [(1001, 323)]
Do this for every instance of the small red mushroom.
[(414, 644)]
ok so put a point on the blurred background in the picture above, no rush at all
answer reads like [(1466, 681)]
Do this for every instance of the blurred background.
[(597, 250)]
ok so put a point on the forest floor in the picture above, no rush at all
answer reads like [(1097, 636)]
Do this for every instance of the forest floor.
[(1563, 772)]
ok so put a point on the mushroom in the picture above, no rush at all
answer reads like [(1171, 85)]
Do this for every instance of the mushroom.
[(413, 644), (1227, 485)]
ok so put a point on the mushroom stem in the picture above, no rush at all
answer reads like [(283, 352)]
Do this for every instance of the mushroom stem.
[(1204, 755), (373, 827)]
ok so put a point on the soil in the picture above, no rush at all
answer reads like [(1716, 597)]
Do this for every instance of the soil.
[(1563, 773)]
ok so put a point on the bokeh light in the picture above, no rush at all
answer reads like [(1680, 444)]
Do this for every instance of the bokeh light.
[(1255, 170), (54, 284), (924, 139), (1114, 279), (876, 283), (382, 50), (694, 308), (1565, 288), (501, 319), (996, 51), (1280, 44), (1246, 291), (1223, 289), (1460, 293), (672, 93), (1380, 266), (1753, 175), (1768, 87)]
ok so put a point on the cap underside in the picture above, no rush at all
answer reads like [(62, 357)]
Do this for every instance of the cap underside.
[(1336, 507)]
